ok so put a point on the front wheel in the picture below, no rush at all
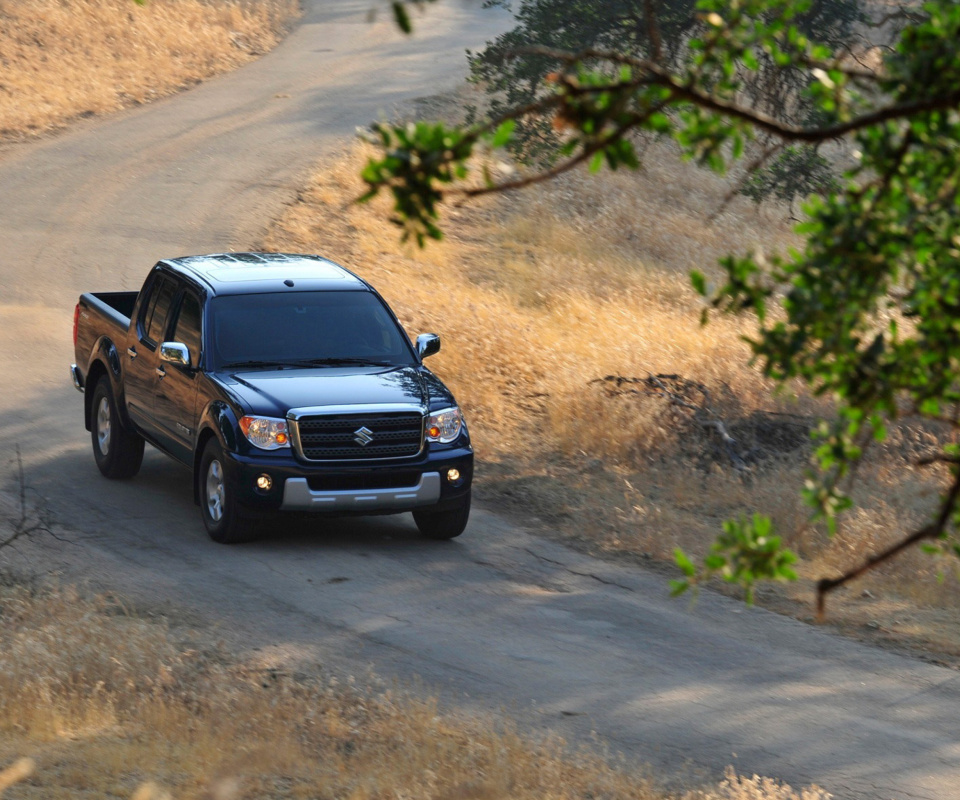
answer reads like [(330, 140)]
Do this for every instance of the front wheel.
[(117, 451), (223, 516), (443, 524)]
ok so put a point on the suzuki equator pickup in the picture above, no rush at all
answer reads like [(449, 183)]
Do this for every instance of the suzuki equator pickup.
[(284, 382)]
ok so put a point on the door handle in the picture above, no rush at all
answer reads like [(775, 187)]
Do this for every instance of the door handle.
[(132, 352), (161, 372)]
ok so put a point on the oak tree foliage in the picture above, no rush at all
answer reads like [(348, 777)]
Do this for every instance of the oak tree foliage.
[(868, 310), (513, 77)]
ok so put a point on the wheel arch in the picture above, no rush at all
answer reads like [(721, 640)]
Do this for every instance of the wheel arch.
[(217, 422), (105, 360), (97, 370), (205, 436)]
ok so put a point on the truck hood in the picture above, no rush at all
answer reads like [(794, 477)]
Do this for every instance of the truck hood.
[(274, 392)]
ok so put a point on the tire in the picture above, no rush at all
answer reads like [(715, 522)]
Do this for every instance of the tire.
[(443, 524), (117, 451), (223, 516)]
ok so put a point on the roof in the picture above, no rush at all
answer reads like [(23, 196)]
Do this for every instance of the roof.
[(263, 273)]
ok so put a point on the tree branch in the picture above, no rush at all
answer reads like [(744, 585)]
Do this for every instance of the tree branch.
[(653, 31), (659, 76), (23, 527), (588, 151), (931, 531)]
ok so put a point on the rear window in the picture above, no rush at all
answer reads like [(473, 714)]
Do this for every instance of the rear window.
[(153, 320)]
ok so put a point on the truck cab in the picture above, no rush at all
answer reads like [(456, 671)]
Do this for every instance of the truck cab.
[(284, 382)]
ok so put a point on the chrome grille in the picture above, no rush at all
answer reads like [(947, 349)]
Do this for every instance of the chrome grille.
[(364, 436)]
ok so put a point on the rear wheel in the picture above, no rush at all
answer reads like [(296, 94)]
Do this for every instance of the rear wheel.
[(443, 524), (117, 451), (223, 516)]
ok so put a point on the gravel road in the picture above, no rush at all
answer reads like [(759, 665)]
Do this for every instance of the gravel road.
[(508, 619)]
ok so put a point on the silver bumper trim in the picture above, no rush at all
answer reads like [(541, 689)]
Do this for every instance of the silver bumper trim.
[(77, 380), (298, 496)]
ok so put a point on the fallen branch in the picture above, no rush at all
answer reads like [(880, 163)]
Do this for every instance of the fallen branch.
[(26, 525)]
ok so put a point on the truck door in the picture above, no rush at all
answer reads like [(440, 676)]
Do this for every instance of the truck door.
[(175, 408), (141, 358)]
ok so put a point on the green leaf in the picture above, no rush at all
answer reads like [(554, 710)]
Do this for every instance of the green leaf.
[(683, 561), (699, 282), (401, 17), (503, 133)]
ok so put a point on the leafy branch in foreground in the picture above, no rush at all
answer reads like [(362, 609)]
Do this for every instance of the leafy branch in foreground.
[(746, 552), (868, 312)]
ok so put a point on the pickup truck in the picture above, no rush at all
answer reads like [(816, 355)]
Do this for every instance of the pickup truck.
[(283, 382)]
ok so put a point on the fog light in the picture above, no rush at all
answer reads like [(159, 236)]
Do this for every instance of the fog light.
[(264, 483), (453, 475)]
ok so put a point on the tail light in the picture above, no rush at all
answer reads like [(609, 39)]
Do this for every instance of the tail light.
[(76, 323)]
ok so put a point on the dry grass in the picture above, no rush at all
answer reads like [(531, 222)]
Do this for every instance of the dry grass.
[(540, 294), (61, 60), (104, 702), (538, 299)]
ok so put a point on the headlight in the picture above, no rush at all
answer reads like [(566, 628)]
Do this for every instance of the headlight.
[(266, 433), (444, 426)]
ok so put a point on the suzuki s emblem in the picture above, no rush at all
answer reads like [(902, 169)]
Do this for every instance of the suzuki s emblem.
[(363, 436)]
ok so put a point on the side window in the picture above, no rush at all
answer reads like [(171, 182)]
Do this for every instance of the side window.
[(156, 322), (148, 305), (188, 326)]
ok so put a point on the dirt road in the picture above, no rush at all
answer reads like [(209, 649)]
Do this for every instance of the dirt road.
[(511, 620)]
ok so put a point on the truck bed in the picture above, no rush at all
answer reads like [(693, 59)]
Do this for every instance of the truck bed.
[(101, 314), (121, 302)]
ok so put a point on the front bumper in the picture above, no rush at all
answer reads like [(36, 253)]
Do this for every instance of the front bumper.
[(298, 496), (353, 489)]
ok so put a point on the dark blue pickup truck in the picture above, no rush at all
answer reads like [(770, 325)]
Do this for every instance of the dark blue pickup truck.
[(284, 382)]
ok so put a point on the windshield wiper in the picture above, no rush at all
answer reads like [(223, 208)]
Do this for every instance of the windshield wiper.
[(257, 363), (340, 362)]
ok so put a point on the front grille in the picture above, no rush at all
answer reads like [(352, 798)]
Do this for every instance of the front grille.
[(341, 482), (340, 437)]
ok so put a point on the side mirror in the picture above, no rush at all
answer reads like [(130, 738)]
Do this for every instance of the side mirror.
[(427, 344), (175, 353)]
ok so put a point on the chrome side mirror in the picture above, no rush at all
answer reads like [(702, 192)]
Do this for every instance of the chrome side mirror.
[(175, 353), (427, 344)]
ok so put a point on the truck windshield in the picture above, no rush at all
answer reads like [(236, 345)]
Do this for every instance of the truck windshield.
[(305, 329)]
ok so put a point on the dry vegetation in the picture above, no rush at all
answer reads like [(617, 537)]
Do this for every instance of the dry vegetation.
[(108, 704), (541, 294), (536, 297), (62, 60)]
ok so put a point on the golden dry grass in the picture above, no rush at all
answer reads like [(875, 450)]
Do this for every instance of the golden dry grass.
[(540, 294), (61, 60), (536, 299), (106, 704)]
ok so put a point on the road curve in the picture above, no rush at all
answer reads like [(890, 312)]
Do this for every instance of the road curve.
[(509, 619)]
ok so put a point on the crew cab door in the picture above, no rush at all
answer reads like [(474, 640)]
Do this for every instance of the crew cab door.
[(175, 410), (142, 358)]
